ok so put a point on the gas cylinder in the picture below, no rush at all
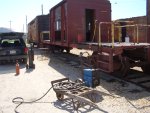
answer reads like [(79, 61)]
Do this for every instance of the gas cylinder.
[(17, 68)]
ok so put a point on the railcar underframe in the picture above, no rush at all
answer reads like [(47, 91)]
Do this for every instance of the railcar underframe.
[(121, 57)]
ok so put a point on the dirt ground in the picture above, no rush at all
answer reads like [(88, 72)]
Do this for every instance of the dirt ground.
[(31, 84)]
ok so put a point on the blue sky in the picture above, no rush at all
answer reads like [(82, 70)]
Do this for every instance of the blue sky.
[(16, 11)]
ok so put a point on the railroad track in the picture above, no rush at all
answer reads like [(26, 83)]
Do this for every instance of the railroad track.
[(71, 59), (135, 77), (138, 78)]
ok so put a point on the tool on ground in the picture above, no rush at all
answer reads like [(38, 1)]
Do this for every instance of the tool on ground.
[(80, 94), (17, 68), (30, 63)]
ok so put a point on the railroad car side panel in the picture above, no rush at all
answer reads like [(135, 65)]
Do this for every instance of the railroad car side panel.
[(76, 21), (36, 27), (84, 18)]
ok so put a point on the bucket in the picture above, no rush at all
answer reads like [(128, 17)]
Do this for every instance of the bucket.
[(127, 40)]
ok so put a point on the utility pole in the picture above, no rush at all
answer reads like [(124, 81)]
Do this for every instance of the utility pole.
[(10, 24), (23, 28), (26, 25), (42, 8)]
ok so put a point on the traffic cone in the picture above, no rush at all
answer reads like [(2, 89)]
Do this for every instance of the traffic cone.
[(17, 68)]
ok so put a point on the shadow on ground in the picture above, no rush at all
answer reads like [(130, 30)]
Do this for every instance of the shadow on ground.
[(67, 105), (118, 88)]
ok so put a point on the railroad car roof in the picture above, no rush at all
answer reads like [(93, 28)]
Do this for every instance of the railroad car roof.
[(63, 1)]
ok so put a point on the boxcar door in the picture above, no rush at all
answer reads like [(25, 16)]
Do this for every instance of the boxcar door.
[(89, 23)]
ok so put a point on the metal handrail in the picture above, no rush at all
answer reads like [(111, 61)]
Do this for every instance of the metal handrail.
[(100, 38), (136, 30)]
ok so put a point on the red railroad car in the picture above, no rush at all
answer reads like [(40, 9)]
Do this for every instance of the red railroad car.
[(38, 30), (73, 22), (87, 24)]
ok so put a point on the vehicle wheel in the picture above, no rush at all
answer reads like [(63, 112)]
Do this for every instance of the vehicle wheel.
[(76, 105), (60, 96)]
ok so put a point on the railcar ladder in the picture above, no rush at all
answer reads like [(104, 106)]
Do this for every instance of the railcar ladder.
[(105, 60)]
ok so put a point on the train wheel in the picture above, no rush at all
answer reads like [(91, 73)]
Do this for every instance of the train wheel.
[(146, 69), (68, 50), (76, 105), (61, 50)]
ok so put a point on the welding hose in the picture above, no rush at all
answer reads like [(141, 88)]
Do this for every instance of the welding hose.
[(20, 100)]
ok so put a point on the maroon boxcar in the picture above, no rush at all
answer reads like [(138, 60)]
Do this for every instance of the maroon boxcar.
[(74, 21), (38, 30)]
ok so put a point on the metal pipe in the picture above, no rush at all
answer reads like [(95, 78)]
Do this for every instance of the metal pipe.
[(99, 39), (112, 27), (120, 35), (124, 21), (137, 33), (134, 25), (125, 26)]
